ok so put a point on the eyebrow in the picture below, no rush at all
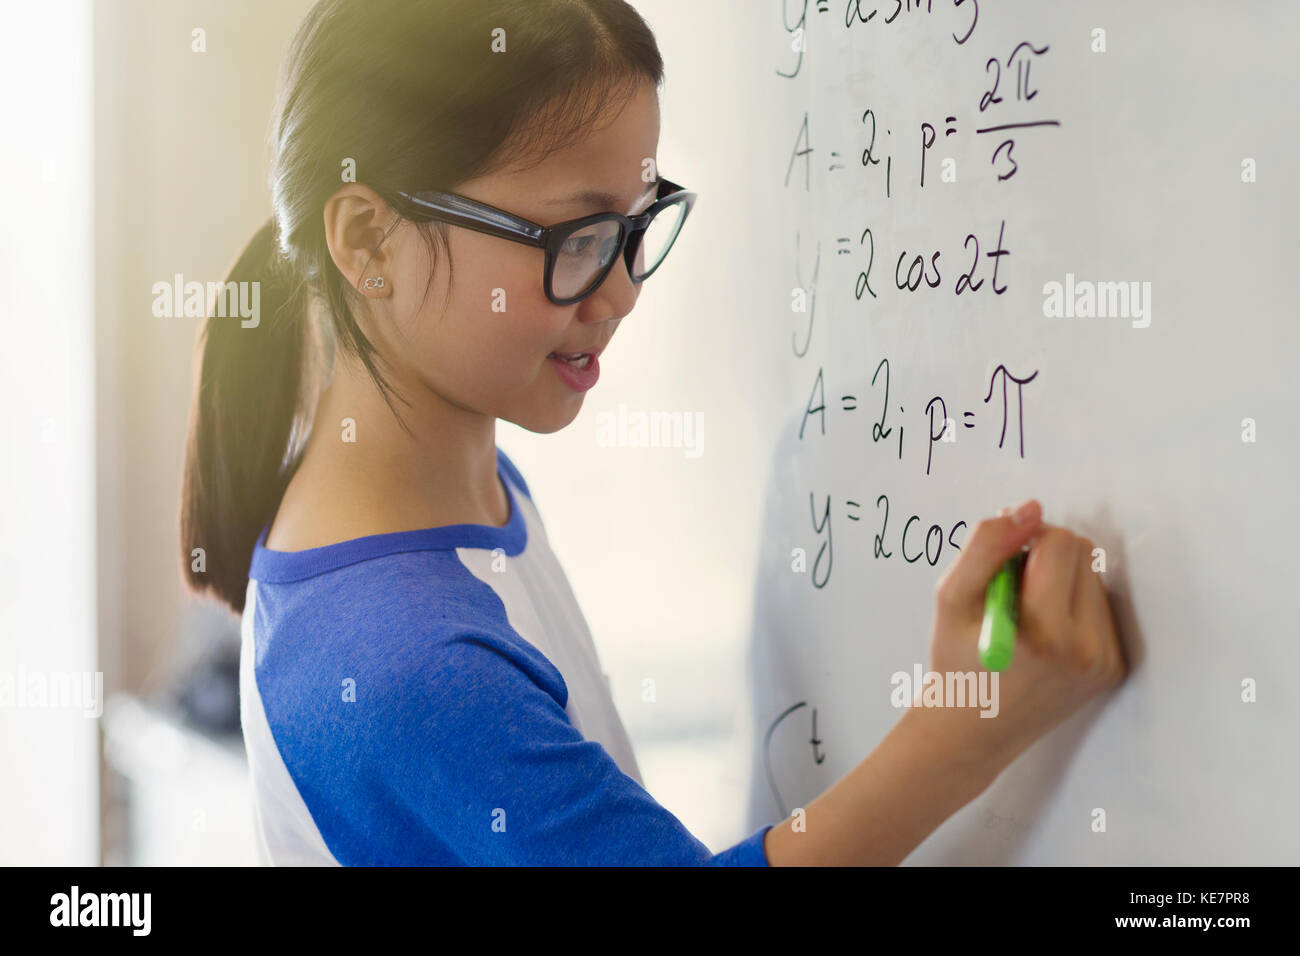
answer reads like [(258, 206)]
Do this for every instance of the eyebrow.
[(601, 200)]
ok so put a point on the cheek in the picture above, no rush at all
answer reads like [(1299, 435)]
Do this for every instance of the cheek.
[(498, 285), (498, 325)]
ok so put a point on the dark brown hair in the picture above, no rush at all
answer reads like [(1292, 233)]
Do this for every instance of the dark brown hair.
[(412, 92)]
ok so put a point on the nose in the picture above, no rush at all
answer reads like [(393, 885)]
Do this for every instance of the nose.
[(614, 297)]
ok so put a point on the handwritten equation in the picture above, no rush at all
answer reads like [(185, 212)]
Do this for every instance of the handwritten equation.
[(1002, 96), (941, 427)]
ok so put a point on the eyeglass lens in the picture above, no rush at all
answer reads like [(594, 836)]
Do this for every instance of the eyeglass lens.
[(584, 256)]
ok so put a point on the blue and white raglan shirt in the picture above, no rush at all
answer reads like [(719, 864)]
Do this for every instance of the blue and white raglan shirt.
[(433, 697)]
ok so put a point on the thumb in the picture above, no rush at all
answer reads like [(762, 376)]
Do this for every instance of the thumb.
[(963, 586)]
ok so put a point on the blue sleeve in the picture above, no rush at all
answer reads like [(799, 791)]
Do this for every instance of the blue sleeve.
[(496, 767)]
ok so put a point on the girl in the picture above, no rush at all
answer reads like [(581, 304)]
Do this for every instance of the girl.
[(465, 201)]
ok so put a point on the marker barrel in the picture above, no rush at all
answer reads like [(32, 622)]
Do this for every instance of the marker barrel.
[(997, 642)]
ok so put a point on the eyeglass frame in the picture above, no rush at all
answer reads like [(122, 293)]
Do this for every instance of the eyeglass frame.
[(481, 217)]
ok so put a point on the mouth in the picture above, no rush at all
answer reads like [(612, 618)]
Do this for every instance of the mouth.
[(578, 370), (576, 359)]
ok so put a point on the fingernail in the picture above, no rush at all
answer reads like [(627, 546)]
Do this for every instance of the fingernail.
[(1024, 513)]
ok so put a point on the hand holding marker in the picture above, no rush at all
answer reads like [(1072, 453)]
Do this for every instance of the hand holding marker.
[(1044, 602)]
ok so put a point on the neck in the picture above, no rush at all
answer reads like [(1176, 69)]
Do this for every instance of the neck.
[(445, 466)]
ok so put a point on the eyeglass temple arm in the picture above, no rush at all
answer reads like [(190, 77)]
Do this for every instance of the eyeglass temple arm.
[(478, 216), (462, 211)]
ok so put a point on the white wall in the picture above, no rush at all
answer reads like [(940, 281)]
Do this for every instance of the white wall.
[(48, 804)]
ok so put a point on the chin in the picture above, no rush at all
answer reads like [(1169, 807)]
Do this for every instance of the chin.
[(548, 421)]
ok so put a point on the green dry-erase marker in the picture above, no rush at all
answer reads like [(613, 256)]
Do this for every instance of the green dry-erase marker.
[(1001, 609)]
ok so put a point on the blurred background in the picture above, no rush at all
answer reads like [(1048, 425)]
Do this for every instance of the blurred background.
[(131, 156)]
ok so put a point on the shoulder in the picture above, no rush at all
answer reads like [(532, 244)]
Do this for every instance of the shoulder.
[(403, 635), (390, 712), (389, 626), (383, 692)]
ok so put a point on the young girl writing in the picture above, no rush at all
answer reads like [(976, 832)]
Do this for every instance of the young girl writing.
[(466, 199)]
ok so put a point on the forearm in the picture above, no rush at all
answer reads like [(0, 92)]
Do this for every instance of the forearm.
[(887, 805)]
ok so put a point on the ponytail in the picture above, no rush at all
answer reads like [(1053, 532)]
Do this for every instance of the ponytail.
[(238, 456)]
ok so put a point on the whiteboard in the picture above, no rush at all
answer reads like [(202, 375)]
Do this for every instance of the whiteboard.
[(1162, 426)]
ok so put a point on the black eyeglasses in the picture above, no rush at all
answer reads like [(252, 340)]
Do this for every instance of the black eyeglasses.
[(579, 252)]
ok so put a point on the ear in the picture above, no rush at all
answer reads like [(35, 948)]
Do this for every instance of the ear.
[(355, 220)]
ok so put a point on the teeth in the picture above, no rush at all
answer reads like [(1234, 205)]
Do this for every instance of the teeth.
[(581, 360)]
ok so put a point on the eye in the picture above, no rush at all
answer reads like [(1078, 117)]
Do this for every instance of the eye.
[(577, 245)]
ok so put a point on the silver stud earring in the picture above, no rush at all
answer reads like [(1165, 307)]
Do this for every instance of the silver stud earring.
[(376, 283)]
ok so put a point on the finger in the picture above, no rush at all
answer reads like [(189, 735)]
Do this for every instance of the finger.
[(1096, 617), (963, 585), (1087, 642), (1083, 574), (1047, 586)]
